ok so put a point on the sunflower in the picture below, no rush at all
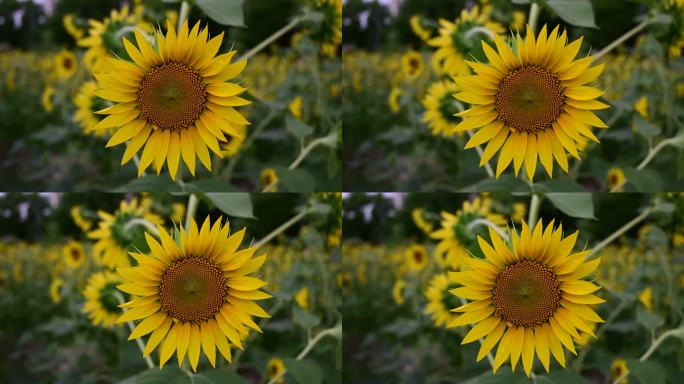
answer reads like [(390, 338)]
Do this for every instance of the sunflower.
[(531, 297), (47, 98), (295, 107), (69, 22), (77, 215), (268, 176), (197, 292), (646, 298), (104, 37), (101, 303), (441, 108), (398, 291), (461, 39), (73, 254), (302, 298), (55, 290), (417, 27), (417, 214), (439, 300), (641, 106), (173, 100), (393, 100), (87, 103), (412, 64), (416, 257), (114, 239), (457, 233), (615, 177), (619, 369), (532, 103), (65, 64), (329, 34), (275, 368)]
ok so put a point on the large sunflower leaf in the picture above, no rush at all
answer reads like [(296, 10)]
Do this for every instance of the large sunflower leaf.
[(575, 204), (225, 12), (575, 12)]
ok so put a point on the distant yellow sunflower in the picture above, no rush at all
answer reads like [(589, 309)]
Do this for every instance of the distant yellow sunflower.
[(615, 177), (439, 300), (460, 39), (457, 233), (412, 64), (519, 19), (295, 107), (194, 293), (101, 302), (65, 64), (56, 290), (302, 298), (646, 298), (398, 291), (87, 103), (534, 103), (419, 220), (619, 369), (441, 108), (641, 106), (173, 100), (519, 212), (531, 297), (268, 176), (114, 237), (47, 98), (416, 257), (69, 22), (329, 34), (73, 253), (77, 215), (417, 27), (393, 99), (177, 212), (276, 367)]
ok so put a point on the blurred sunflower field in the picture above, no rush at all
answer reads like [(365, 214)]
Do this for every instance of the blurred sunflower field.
[(152, 95), (108, 288), (574, 95), (459, 288)]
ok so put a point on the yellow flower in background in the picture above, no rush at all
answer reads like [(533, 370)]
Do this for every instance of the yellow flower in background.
[(46, 98), (172, 100), (398, 291), (77, 215), (641, 106), (519, 212), (233, 143), (419, 220), (615, 177), (417, 27), (459, 39), (529, 298), (268, 176), (276, 367), (335, 238), (680, 89), (412, 64), (416, 257), (302, 298), (619, 369), (70, 26), (55, 290), (329, 34), (439, 300), (177, 212), (101, 301), (441, 108), (343, 279), (87, 103), (73, 254), (678, 240), (646, 298), (65, 64), (194, 293), (295, 107), (519, 20), (531, 104), (393, 99), (114, 237), (455, 232)]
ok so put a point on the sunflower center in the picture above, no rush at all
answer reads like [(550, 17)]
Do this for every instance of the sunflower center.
[(530, 99), (66, 62), (526, 294), (418, 257), (172, 96), (192, 289), (75, 254)]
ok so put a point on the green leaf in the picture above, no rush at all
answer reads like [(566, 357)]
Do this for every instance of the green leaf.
[(221, 376), (558, 185), (209, 185), (234, 204), (159, 376), (575, 12), (648, 319), (646, 372), (150, 183), (644, 180), (563, 377), (574, 204), (645, 128), (303, 318), (681, 358), (297, 127), (224, 12), (304, 371), (333, 164), (505, 183), (296, 180)]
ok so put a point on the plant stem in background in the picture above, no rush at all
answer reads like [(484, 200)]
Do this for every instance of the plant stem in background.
[(183, 13), (149, 226), (533, 214), (651, 155), (333, 332), (619, 232), (623, 38), (489, 224), (282, 227), (534, 16), (271, 38), (654, 346), (488, 168), (190, 209), (138, 341)]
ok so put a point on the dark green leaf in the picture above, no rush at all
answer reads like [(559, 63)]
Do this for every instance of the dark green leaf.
[(645, 128), (333, 164), (304, 371), (222, 376), (648, 319), (305, 319), (558, 185), (646, 372), (159, 376), (225, 12), (209, 185), (505, 183), (563, 377), (575, 12), (234, 204), (681, 357), (578, 204), (150, 183), (296, 180), (297, 128), (644, 180)]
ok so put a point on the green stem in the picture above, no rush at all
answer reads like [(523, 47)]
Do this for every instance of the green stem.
[(149, 226), (271, 38), (533, 214), (282, 228), (302, 155), (489, 224), (480, 152), (257, 131), (183, 13), (623, 38), (535, 10), (190, 210), (619, 232), (654, 346), (651, 155)]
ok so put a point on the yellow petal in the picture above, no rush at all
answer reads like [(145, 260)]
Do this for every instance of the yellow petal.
[(528, 351)]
